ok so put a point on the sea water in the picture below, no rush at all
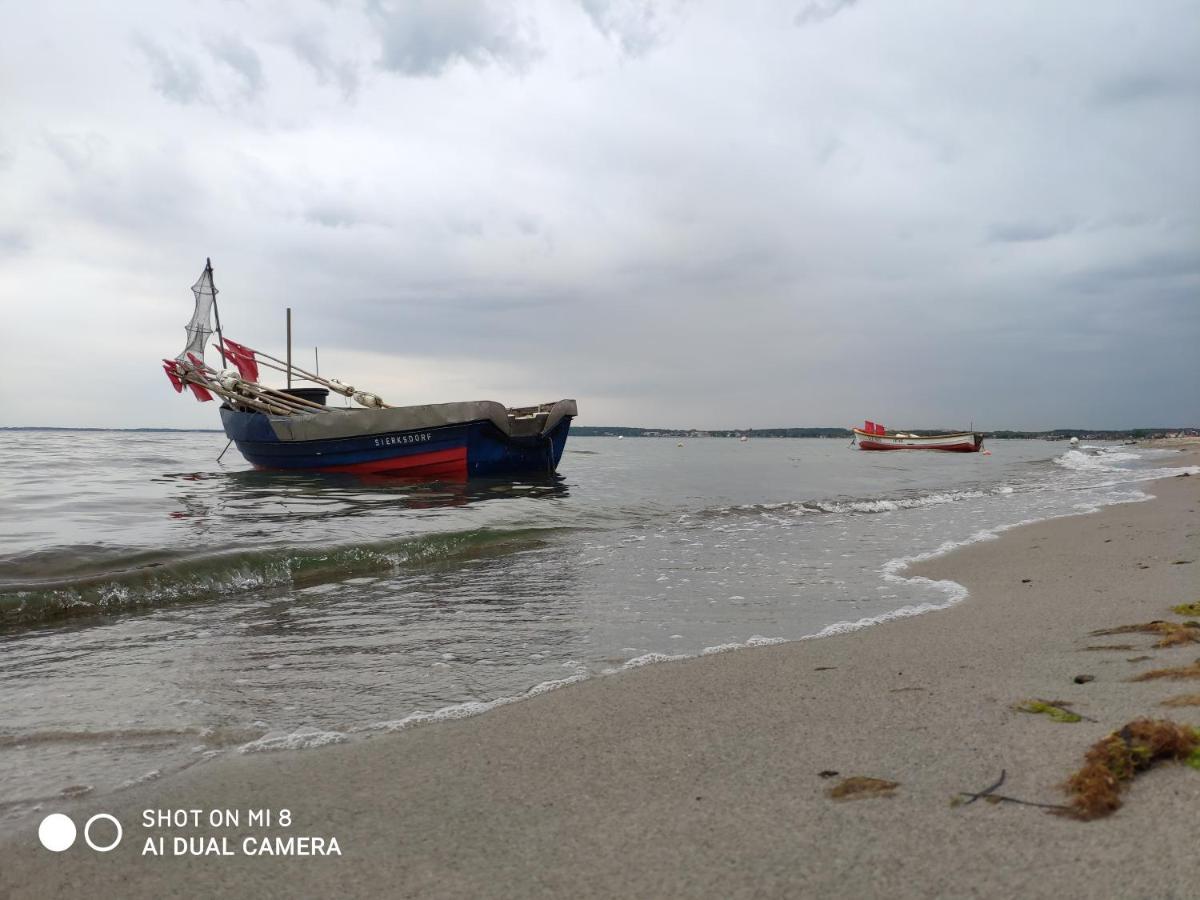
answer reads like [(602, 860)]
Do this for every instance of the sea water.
[(159, 609)]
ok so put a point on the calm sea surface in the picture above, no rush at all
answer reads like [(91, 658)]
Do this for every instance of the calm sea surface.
[(158, 609)]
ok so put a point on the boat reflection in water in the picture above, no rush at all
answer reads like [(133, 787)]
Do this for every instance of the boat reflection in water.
[(262, 496)]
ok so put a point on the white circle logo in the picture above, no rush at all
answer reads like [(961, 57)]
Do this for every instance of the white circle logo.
[(57, 832), (87, 832)]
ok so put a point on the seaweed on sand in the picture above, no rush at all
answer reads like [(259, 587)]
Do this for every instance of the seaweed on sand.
[(1182, 700), (1179, 673), (1170, 633), (1058, 710), (1112, 762), (1187, 609), (860, 786)]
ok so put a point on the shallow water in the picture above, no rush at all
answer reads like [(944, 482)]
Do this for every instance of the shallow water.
[(159, 609)]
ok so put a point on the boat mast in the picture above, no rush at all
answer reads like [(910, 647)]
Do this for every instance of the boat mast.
[(289, 347), (216, 312)]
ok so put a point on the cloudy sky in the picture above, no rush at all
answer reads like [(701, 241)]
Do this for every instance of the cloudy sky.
[(680, 213)]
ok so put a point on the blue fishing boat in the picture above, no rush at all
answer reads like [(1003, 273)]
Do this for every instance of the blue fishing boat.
[(293, 428), (478, 439)]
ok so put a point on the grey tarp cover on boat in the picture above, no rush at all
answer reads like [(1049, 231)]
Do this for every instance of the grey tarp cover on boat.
[(342, 423)]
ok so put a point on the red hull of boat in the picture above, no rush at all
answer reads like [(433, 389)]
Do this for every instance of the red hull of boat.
[(450, 465), (961, 447)]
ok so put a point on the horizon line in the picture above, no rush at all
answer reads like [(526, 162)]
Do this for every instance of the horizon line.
[(847, 428)]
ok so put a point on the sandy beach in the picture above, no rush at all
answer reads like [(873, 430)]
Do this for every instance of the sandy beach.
[(704, 777)]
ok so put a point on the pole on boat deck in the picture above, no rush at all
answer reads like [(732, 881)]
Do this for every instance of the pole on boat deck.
[(316, 361), (289, 347), (216, 312)]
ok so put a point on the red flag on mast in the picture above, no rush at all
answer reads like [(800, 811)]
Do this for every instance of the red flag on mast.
[(200, 391), (176, 381), (243, 359)]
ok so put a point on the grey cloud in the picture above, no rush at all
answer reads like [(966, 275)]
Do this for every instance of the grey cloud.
[(140, 191), (624, 232), (820, 10), (78, 152), (637, 26), (1134, 87), (13, 242), (1153, 267), (463, 226), (425, 37), (242, 59), (443, 316), (176, 78), (312, 50), (1023, 232), (332, 215)]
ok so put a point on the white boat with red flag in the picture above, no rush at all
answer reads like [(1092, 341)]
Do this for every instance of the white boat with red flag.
[(873, 436), (291, 428)]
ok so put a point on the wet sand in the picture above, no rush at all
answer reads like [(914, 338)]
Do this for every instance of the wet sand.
[(703, 777)]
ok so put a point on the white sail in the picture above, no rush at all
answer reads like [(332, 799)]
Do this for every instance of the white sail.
[(199, 329)]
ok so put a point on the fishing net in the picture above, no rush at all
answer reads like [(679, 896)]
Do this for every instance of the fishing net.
[(199, 329)]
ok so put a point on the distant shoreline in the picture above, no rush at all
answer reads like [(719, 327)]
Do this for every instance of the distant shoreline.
[(1054, 434)]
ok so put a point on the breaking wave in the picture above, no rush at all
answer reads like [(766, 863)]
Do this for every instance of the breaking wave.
[(863, 505), (1093, 459), (1089, 460), (463, 710), (118, 581)]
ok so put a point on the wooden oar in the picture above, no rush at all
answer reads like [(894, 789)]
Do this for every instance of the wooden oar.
[(215, 388), (282, 366), (282, 396), (201, 377), (342, 389), (266, 394)]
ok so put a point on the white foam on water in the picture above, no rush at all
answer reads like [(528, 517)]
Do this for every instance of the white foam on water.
[(863, 505), (1089, 458), (463, 710), (301, 739), (886, 505), (756, 640), (903, 612), (152, 775), (649, 659)]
